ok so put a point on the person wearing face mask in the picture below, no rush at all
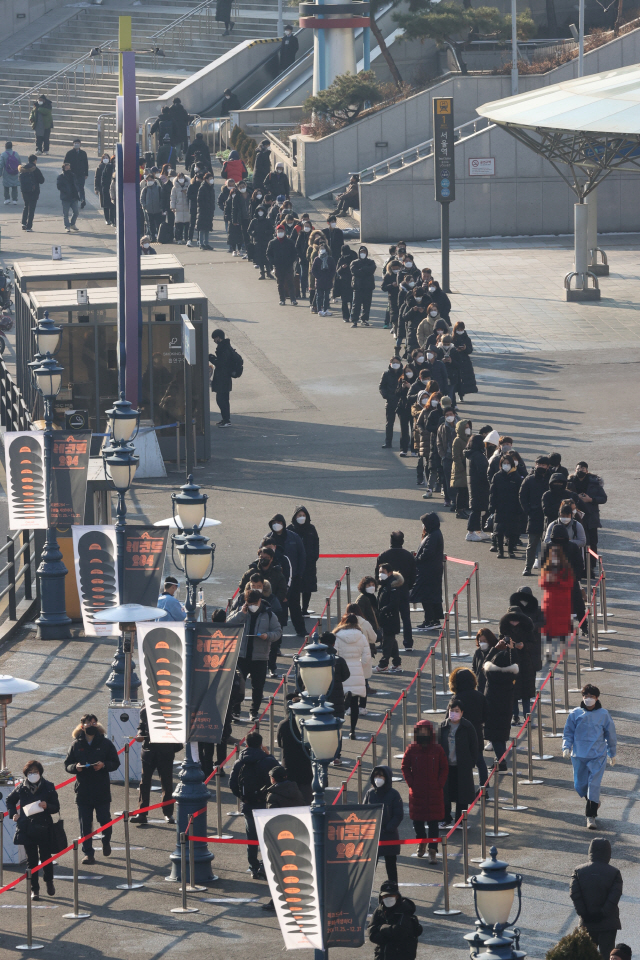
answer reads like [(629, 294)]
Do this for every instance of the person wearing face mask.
[(391, 286), (230, 100), (459, 741), (155, 756), (403, 410), (589, 490), (485, 642), (409, 268), (504, 504), (500, 670), (266, 566), (257, 198), (589, 738), (192, 197), (179, 204), (69, 196), (388, 388), (92, 757), (323, 269), (260, 232), (261, 631), (353, 646), (444, 442), (553, 497), (234, 211), (525, 601), (427, 588), (227, 366), (459, 489), (557, 581), (245, 217), (532, 490), (198, 150), (437, 371), (367, 603), (447, 353), (146, 250), (79, 163), (31, 179), (439, 297), (567, 518), (517, 628), (334, 237), (478, 487), (505, 445), (343, 280), (403, 561), (277, 182), (555, 463), (301, 524), (464, 348), (290, 545), (394, 928), (261, 165), (33, 830), (382, 793), (435, 416), (425, 770), (281, 254), (427, 326), (151, 203), (168, 601), (41, 120), (288, 48), (415, 310), (420, 411), (302, 250)]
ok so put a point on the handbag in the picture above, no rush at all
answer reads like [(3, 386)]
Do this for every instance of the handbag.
[(59, 840)]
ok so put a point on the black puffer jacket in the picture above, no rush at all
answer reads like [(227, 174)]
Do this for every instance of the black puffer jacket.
[(596, 888), (393, 808), (309, 536), (389, 603), (504, 502), (362, 272), (395, 932), (477, 476), (223, 362), (429, 563), (532, 490), (553, 497), (592, 485), (281, 253), (389, 383), (206, 206), (466, 743), (284, 794), (294, 757), (92, 786), (525, 601), (462, 683), (261, 230), (36, 828), (500, 670), (519, 628)]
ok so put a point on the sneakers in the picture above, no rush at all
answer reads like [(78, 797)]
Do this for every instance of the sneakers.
[(7, 201), (89, 858), (282, 303), (421, 628), (536, 564), (273, 675), (378, 669), (327, 313), (294, 303), (403, 454), (170, 819), (225, 424), (67, 229), (386, 446), (337, 762), (526, 572), (591, 823), (321, 313), (35, 895), (138, 818), (474, 536), (363, 711), (258, 873), (427, 494), (394, 670), (74, 228), (422, 483), (190, 243)]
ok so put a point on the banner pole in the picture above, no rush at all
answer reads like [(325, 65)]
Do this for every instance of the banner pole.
[(404, 722), (483, 827), (76, 915), (434, 694), (603, 603), (578, 677), (469, 637), (496, 832), (465, 851), (1, 845), (129, 885), (541, 755), (445, 884), (347, 572)]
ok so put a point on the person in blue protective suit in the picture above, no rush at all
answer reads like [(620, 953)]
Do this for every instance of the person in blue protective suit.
[(169, 602), (589, 738)]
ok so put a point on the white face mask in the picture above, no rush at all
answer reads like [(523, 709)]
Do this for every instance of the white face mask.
[(383, 576), (409, 374), (261, 213), (424, 401), (145, 246), (396, 272), (277, 527), (180, 179), (455, 716), (467, 431), (307, 228), (432, 289), (210, 181), (420, 358), (565, 519), (483, 645), (258, 196), (434, 403), (280, 234), (449, 419), (433, 313), (408, 263), (506, 467), (105, 159), (379, 781), (395, 366), (243, 189), (301, 519), (370, 589), (34, 777), (253, 607), (429, 356), (589, 701), (389, 902), (363, 256), (411, 284)]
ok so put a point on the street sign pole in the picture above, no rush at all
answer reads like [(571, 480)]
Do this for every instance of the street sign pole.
[(445, 175), (189, 352)]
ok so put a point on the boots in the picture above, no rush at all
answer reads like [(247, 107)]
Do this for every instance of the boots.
[(432, 855), (422, 848)]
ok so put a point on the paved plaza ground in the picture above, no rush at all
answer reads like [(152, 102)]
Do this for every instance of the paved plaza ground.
[(308, 428)]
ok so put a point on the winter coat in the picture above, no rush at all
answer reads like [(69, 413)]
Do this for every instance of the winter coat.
[(285, 794), (500, 670), (264, 763), (341, 673), (592, 485), (429, 564), (261, 232), (37, 827), (150, 196), (234, 169), (309, 536), (449, 356), (556, 602), (41, 119), (166, 154), (525, 601), (519, 628), (274, 575), (425, 769), (459, 469), (223, 364), (163, 126), (266, 622), (401, 560), (389, 595), (494, 466), (477, 663), (466, 372), (474, 704), (288, 50), (92, 786), (181, 119), (205, 206), (575, 530), (362, 272), (68, 187), (179, 202), (261, 167), (154, 749), (198, 150), (442, 302), (352, 646), (553, 497), (389, 383), (466, 753), (596, 888), (324, 270), (295, 758), (395, 932), (292, 546), (421, 436), (392, 809), (335, 240), (10, 179), (367, 604), (532, 490), (444, 439), (590, 734), (477, 478), (424, 331), (281, 253), (30, 179), (343, 270), (166, 186), (504, 503), (277, 184)]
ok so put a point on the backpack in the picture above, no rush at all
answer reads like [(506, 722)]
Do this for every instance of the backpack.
[(11, 165), (251, 783), (238, 365), (165, 233)]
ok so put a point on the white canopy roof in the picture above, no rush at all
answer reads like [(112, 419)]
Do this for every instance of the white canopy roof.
[(604, 103)]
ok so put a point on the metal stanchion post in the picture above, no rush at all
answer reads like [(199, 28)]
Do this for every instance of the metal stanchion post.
[(565, 682), (496, 832), (445, 884), (219, 802), (399, 756), (603, 604), (192, 888), (338, 600), (76, 915), (541, 755), (388, 720), (479, 618), (465, 851), (434, 692), (592, 667), (419, 695), (344, 791), (360, 780), (183, 869), (554, 723), (514, 805), (29, 945), (129, 885), (469, 636), (594, 606), (272, 718), (443, 655), (347, 573), (374, 752), (530, 781), (328, 612), (445, 572), (578, 686), (127, 747), (456, 625), (483, 828)]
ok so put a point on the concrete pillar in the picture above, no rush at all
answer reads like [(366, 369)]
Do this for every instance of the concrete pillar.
[(600, 269), (582, 291), (334, 53)]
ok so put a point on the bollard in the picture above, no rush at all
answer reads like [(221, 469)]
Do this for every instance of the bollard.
[(456, 626), (76, 915), (129, 885), (530, 780), (347, 574), (360, 780), (443, 655), (496, 832), (541, 755), (514, 805), (388, 719), (603, 604), (419, 695), (29, 945), (328, 612), (272, 718), (344, 791), (338, 600), (434, 692), (374, 752), (483, 827), (445, 884), (465, 851), (192, 888), (552, 692), (183, 870), (479, 615)]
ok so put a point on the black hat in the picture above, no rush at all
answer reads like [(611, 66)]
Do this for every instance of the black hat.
[(388, 887), (170, 580)]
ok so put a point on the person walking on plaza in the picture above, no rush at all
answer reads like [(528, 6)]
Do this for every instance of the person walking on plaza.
[(596, 889), (425, 769), (261, 630), (70, 196), (79, 163), (427, 588), (227, 366), (169, 602), (394, 927), (41, 120), (33, 831), (362, 271), (383, 793), (459, 741), (281, 255), (249, 781), (10, 170), (92, 757), (589, 738), (155, 756), (31, 179)]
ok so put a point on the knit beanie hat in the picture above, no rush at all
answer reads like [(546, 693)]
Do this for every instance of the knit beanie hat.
[(446, 403)]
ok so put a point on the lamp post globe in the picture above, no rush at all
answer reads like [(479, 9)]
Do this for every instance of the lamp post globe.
[(189, 506), (123, 421), (47, 335), (494, 890), (315, 669)]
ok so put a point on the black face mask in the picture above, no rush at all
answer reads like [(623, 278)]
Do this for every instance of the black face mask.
[(423, 741), (264, 564), (90, 731)]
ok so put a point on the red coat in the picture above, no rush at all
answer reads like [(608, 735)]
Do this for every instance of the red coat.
[(556, 602), (425, 769)]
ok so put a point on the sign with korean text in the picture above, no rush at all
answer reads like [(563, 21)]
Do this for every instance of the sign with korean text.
[(351, 835), (214, 665), (161, 662), (443, 147), (482, 167), (143, 564), (69, 468)]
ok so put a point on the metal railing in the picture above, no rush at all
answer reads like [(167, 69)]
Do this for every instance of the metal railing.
[(14, 413), (107, 133), (215, 131), (419, 152), (20, 546)]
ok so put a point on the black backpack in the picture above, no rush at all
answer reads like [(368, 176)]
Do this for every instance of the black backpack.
[(238, 365), (251, 781)]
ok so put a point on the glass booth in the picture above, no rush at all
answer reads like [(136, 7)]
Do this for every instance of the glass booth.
[(88, 353)]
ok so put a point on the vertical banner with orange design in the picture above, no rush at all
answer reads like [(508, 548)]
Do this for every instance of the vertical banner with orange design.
[(144, 552), (161, 659), (24, 463), (351, 836), (214, 664)]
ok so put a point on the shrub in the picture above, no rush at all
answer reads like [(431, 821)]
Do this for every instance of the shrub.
[(575, 946), (344, 100)]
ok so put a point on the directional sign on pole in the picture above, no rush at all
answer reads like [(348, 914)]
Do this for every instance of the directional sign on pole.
[(443, 140)]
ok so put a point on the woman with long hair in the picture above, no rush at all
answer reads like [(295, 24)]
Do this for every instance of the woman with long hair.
[(556, 581), (485, 642), (353, 647)]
